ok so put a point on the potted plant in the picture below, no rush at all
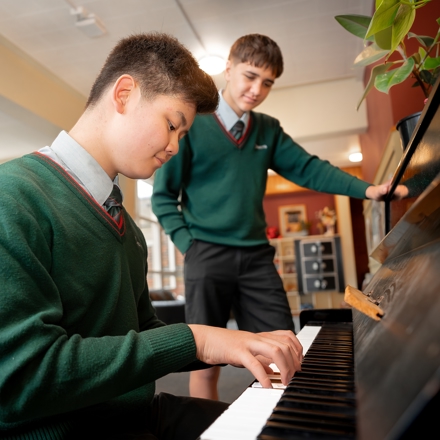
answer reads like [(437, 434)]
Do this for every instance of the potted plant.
[(386, 33)]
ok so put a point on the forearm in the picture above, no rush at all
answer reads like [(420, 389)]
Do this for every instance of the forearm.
[(297, 165)]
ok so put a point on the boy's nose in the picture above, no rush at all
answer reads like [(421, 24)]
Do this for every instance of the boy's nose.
[(256, 88), (173, 146)]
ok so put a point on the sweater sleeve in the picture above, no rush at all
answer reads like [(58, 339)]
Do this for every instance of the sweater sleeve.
[(294, 163), (166, 198)]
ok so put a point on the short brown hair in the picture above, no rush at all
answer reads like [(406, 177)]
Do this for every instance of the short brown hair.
[(162, 66), (258, 50)]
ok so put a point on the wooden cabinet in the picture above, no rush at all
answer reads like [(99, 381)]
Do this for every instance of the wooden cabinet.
[(319, 264), (320, 271), (312, 271)]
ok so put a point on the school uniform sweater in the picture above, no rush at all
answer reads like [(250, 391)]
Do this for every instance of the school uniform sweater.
[(76, 318), (213, 189)]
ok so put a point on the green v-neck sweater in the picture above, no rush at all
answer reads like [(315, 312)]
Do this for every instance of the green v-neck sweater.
[(78, 334), (213, 189)]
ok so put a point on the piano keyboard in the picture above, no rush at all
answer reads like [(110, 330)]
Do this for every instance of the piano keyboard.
[(246, 416), (319, 402)]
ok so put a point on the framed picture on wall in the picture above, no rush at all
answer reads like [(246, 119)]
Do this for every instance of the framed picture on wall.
[(292, 219)]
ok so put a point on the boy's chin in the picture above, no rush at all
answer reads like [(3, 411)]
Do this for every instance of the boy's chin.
[(247, 107)]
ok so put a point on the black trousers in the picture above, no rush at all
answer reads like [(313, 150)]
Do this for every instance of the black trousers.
[(219, 279)]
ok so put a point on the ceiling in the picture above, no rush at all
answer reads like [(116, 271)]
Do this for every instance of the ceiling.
[(315, 48)]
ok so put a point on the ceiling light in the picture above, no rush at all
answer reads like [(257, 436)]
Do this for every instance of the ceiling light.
[(88, 23), (212, 64), (91, 26), (355, 157)]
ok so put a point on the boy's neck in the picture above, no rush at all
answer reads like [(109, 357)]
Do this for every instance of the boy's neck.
[(231, 103)]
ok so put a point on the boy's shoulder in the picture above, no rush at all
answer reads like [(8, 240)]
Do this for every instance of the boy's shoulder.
[(264, 119), (257, 118)]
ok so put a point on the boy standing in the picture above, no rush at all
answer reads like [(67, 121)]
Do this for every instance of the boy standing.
[(209, 199), (80, 344)]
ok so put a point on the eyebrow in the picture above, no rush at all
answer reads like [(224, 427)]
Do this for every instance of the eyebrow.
[(182, 117)]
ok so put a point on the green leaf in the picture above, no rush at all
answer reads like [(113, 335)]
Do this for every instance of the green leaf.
[(383, 17), (402, 24), (418, 57), (383, 38), (427, 77), (370, 55), (422, 39), (355, 24), (377, 70), (385, 81), (431, 63)]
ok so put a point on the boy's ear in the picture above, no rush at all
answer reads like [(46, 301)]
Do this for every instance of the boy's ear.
[(228, 67), (121, 92)]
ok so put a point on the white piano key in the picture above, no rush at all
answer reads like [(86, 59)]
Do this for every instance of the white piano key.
[(246, 416)]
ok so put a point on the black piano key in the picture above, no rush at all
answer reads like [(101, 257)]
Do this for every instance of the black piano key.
[(293, 395), (314, 419), (290, 405), (319, 401)]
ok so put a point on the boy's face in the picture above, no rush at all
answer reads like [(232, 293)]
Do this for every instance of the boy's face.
[(246, 86), (147, 133)]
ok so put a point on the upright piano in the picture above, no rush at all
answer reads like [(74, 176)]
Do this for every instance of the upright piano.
[(371, 372)]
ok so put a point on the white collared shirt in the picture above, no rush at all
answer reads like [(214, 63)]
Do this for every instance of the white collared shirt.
[(67, 153), (227, 116)]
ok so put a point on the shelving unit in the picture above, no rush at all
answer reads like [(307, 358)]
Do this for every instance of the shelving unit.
[(285, 263), (320, 271), (311, 270)]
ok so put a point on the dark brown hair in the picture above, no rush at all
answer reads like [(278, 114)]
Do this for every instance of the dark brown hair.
[(162, 66), (258, 50)]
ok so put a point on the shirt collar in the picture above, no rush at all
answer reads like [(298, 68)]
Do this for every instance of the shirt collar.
[(227, 116), (83, 167)]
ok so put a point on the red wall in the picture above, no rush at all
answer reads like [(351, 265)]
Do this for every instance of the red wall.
[(313, 200)]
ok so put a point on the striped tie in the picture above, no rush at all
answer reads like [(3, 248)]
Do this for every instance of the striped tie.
[(237, 129), (113, 204)]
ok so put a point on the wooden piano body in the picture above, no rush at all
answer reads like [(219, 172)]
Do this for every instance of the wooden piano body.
[(396, 357)]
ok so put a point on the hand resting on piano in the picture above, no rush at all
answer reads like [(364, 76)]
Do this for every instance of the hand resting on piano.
[(254, 351), (379, 192)]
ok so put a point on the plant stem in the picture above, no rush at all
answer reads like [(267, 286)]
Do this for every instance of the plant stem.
[(425, 89)]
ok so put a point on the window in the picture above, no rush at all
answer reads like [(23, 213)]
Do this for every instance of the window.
[(165, 262)]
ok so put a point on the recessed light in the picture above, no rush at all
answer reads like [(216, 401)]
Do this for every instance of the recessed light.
[(212, 64), (355, 157)]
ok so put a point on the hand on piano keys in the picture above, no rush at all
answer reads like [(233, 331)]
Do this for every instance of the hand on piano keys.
[(254, 351), (306, 337), (246, 416)]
